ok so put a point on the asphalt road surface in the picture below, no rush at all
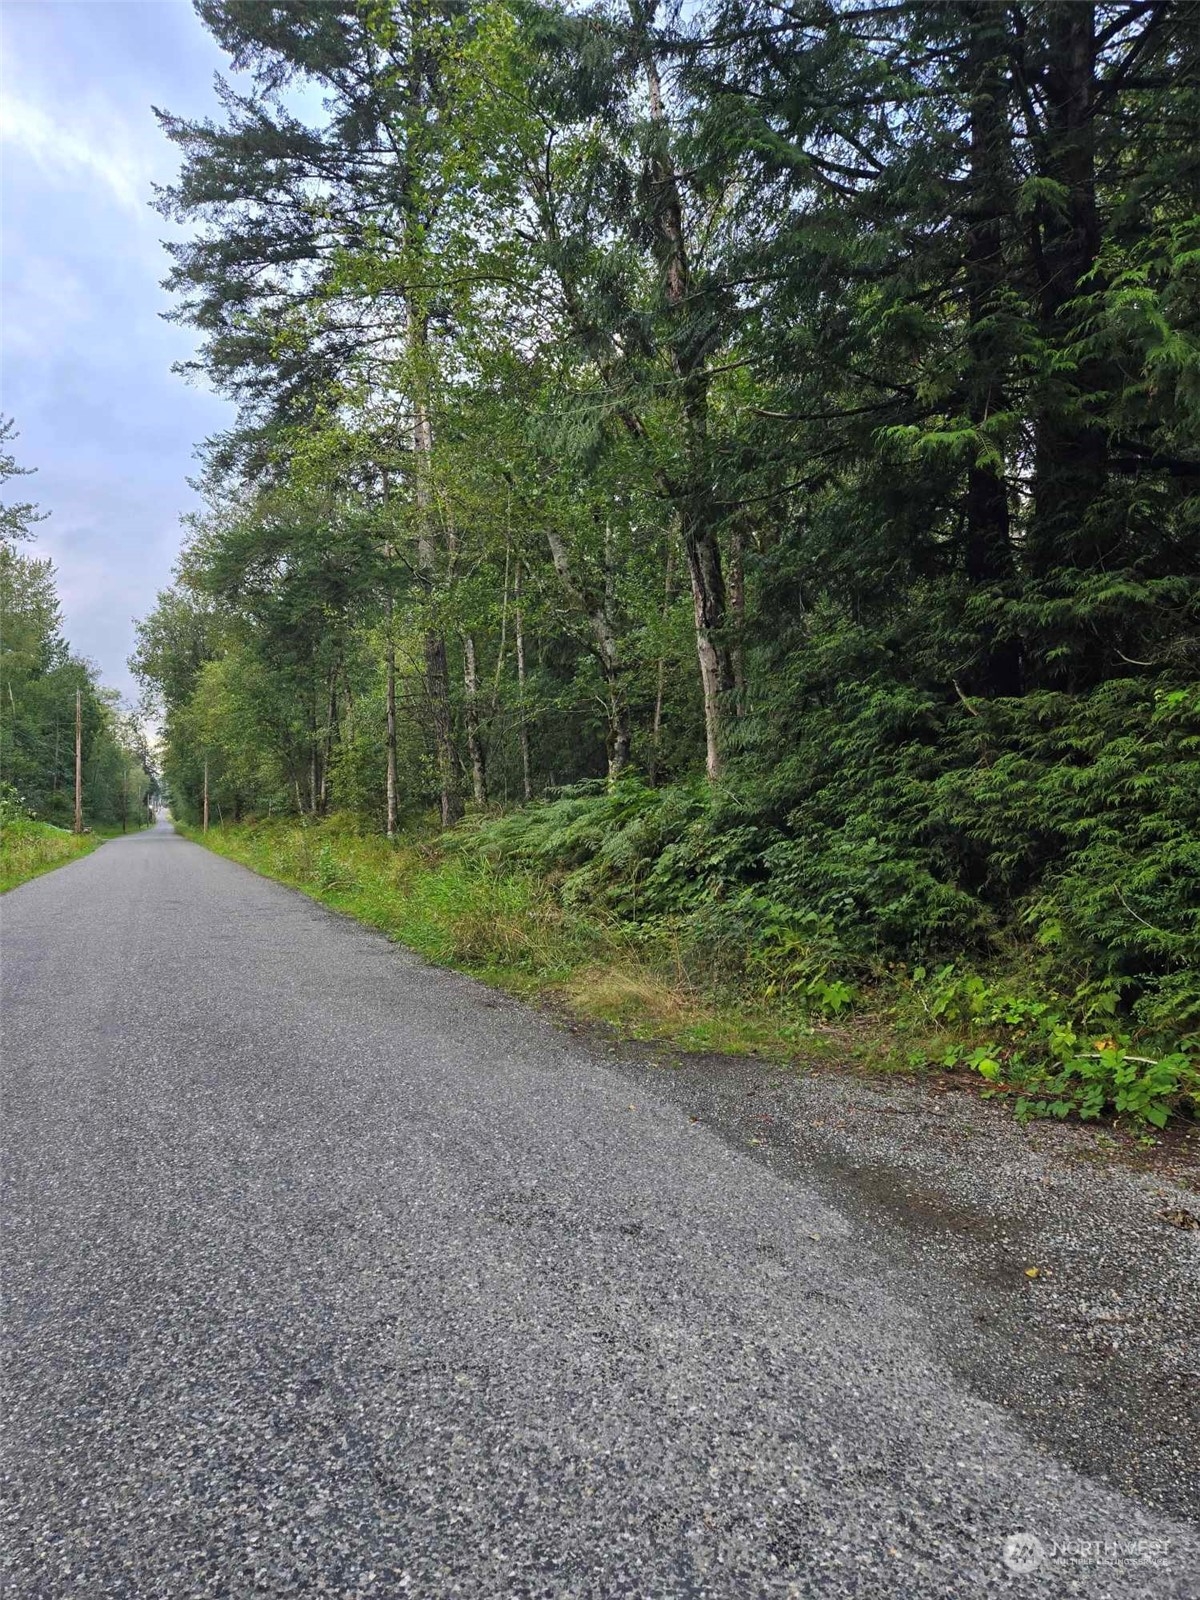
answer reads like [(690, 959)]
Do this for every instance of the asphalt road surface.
[(329, 1273)]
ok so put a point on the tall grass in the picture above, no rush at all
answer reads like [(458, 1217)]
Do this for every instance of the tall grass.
[(532, 914), (28, 849), (503, 922)]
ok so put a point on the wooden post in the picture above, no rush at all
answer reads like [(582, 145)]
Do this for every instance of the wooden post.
[(206, 794), (78, 761)]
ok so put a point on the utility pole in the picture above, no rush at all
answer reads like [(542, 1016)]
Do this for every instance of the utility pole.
[(78, 761), (206, 794)]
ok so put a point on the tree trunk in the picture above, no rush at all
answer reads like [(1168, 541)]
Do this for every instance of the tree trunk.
[(437, 683), (390, 667), (690, 490), (605, 647), (620, 734), (1070, 461), (737, 612), (330, 732), (988, 555), (660, 685), (389, 663), (693, 493), (437, 670), (522, 725), (716, 672), (475, 750)]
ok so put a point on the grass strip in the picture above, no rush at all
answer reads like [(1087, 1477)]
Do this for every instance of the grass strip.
[(27, 849), (503, 925)]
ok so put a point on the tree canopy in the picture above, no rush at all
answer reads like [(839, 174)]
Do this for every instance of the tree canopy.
[(791, 411), (39, 678)]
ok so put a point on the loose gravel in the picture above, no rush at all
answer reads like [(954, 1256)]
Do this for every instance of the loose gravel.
[(1056, 1267)]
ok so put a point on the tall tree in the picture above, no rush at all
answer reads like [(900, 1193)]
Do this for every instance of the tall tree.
[(317, 265)]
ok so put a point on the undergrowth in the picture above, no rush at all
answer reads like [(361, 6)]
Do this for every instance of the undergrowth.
[(628, 906), (29, 848)]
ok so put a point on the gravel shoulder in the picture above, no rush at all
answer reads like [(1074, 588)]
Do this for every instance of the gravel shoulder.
[(1099, 1354)]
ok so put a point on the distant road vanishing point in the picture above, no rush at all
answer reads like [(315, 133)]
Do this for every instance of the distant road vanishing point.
[(330, 1273)]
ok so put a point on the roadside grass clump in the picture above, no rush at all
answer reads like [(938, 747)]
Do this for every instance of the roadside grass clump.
[(624, 905), (29, 848), (652, 1006)]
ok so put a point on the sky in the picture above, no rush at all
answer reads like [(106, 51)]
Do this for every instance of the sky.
[(85, 357)]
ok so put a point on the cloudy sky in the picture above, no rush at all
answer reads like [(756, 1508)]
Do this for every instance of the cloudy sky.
[(85, 358)]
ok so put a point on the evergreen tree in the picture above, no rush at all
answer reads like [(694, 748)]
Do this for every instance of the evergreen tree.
[(850, 350)]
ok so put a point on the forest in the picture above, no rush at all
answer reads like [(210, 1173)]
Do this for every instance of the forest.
[(40, 678), (732, 470)]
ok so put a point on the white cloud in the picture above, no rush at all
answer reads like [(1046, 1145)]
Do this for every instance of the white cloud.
[(85, 356), (96, 144), (47, 302)]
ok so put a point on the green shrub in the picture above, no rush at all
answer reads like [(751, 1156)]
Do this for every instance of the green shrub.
[(1056, 1056), (629, 891)]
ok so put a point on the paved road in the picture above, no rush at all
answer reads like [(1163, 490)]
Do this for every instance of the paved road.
[(326, 1273)]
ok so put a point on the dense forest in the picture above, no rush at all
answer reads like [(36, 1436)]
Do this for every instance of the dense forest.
[(39, 681), (749, 456)]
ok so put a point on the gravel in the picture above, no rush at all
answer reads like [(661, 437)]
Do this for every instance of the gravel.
[(327, 1272), (1097, 1354)]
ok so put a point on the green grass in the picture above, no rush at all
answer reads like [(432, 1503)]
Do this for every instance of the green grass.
[(460, 903), (504, 925), (27, 849)]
